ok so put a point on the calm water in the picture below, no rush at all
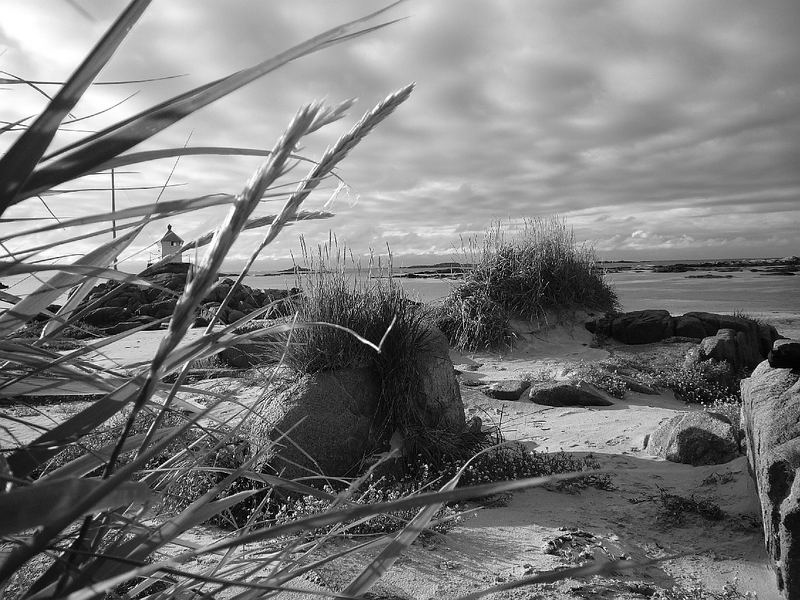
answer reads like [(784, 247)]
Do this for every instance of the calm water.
[(745, 291)]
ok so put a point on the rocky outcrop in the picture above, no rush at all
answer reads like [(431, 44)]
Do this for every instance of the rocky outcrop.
[(695, 438), (561, 393), (771, 422), (741, 342), (648, 326), (114, 306)]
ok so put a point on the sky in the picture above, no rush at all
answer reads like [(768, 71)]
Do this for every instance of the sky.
[(658, 129)]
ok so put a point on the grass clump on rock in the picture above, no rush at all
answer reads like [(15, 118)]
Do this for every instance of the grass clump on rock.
[(540, 269)]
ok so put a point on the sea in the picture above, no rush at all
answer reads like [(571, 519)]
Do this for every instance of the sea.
[(637, 287)]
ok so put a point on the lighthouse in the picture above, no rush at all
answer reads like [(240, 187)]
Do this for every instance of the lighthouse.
[(171, 244)]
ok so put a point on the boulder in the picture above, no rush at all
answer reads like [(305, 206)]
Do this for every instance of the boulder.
[(158, 310), (511, 389), (695, 438), (767, 336), (771, 422), (740, 349), (637, 327), (561, 393), (785, 354), (107, 316), (690, 326), (328, 418), (439, 396), (334, 415)]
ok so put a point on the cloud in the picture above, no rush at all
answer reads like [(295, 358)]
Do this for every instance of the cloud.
[(654, 127)]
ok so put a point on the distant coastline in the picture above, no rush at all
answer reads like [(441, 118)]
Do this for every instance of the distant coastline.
[(789, 265)]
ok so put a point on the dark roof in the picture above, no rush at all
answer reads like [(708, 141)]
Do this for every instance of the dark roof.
[(171, 236)]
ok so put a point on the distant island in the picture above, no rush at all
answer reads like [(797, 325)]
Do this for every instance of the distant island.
[(787, 265)]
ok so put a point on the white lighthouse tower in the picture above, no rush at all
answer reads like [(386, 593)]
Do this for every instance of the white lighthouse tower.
[(170, 244)]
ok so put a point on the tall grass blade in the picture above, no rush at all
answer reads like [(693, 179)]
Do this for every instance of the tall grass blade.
[(21, 159), (85, 464), (36, 506), (44, 537), (389, 555), (86, 155), (133, 158), (24, 460)]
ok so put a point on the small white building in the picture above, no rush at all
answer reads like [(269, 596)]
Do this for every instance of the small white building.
[(170, 244)]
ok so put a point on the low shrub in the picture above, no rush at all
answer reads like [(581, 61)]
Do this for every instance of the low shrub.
[(539, 270), (507, 462), (503, 463), (707, 382), (606, 380), (378, 490), (730, 591)]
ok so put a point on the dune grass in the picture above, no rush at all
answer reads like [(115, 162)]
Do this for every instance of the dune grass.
[(539, 269)]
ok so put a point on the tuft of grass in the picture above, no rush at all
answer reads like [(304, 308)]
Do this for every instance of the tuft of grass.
[(335, 290), (540, 269)]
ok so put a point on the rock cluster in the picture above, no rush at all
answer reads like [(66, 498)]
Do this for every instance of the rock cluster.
[(741, 342), (114, 308), (771, 422), (649, 326)]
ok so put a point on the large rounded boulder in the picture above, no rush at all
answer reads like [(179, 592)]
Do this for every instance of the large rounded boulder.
[(330, 421), (695, 438), (563, 393), (321, 423)]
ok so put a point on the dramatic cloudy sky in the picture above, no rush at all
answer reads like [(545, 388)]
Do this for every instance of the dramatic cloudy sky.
[(657, 128)]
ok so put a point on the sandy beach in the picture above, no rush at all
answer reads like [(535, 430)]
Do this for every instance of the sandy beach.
[(508, 540)]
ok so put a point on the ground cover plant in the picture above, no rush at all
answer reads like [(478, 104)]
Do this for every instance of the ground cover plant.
[(539, 269), (93, 524)]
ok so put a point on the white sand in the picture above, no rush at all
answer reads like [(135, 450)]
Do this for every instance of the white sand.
[(505, 543)]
